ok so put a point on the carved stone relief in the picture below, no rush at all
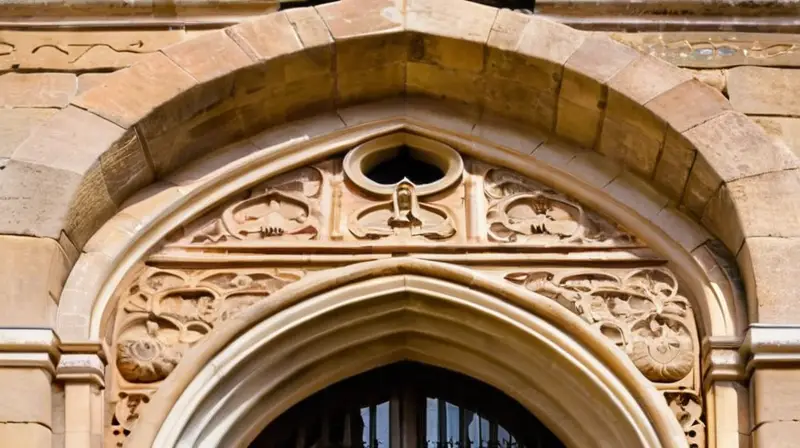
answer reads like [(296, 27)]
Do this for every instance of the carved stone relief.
[(641, 312), (82, 50), (523, 211), (490, 211), (286, 207), (163, 313)]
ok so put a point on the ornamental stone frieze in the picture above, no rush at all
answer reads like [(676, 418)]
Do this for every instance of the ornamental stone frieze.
[(413, 195)]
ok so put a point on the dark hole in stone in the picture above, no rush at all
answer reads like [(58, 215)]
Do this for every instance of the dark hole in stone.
[(404, 165)]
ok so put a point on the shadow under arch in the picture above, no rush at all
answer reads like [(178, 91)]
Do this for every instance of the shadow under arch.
[(335, 324)]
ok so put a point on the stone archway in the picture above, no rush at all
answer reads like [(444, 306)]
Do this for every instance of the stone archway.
[(375, 313), (117, 138)]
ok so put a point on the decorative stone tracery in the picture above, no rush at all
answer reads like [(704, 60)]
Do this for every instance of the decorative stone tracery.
[(475, 212)]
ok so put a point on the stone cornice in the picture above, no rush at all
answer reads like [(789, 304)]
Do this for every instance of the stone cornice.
[(767, 345), (599, 15), (40, 348)]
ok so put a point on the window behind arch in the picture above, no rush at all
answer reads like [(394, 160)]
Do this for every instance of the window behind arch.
[(407, 405)]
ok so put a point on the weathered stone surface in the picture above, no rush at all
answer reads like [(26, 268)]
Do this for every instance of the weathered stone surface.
[(764, 91), (362, 73), (26, 434), (37, 89), (715, 49), (131, 95), (208, 56), (267, 37), (776, 434), (771, 267), (631, 133), (27, 396), (88, 80), (671, 106), (763, 205), (637, 194), (16, 125), (80, 50), (727, 143), (716, 79), (672, 170), (33, 271), (787, 130), (583, 94), (776, 395), (34, 199)]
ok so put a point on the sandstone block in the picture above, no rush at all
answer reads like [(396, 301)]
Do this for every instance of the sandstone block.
[(776, 435), (764, 90), (729, 147), (131, 95), (351, 18), (594, 169), (583, 92), (29, 435), (91, 205), (672, 170), (704, 103), (208, 56), (644, 79), (447, 40), (34, 199), (776, 395), (37, 89), (786, 130), (518, 101), (764, 205), (716, 79), (636, 194), (27, 396), (770, 268), (87, 81), (33, 271), (16, 125)]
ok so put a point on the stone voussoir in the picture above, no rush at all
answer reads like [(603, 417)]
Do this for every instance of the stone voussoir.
[(771, 267)]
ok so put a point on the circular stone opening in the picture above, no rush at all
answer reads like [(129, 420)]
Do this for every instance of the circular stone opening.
[(379, 165), (403, 163)]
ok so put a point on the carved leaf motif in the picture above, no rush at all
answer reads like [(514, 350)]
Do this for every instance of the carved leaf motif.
[(688, 409), (641, 313), (524, 211), (285, 207), (146, 360)]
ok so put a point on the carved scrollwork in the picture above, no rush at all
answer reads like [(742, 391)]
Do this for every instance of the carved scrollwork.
[(688, 409), (404, 215), (523, 211), (128, 408), (285, 207), (166, 312), (641, 312)]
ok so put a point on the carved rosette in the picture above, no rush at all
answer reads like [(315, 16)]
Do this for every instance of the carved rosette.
[(640, 312), (526, 212), (163, 313)]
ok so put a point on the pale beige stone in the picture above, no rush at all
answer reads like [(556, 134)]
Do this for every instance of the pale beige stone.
[(770, 269), (37, 89), (682, 229), (632, 191), (33, 272), (515, 136), (776, 434), (672, 169), (351, 18), (763, 205), (87, 81), (208, 56), (556, 152), (786, 130), (671, 106), (583, 95), (594, 169), (16, 125), (726, 147), (716, 79), (68, 50), (29, 435), (764, 91), (34, 199), (130, 95), (27, 396), (776, 395)]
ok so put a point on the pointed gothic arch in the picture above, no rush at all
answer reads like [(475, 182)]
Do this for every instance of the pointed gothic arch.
[(129, 131)]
